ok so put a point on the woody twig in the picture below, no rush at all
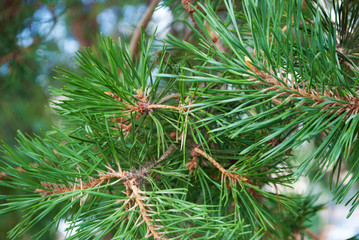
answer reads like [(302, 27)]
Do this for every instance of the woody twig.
[(142, 25), (234, 177), (130, 180), (351, 106), (145, 211)]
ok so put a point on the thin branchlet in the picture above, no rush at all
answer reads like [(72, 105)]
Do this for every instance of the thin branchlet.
[(138, 174), (225, 174), (52, 188), (168, 153), (145, 108), (141, 107), (348, 104), (130, 181), (168, 97), (137, 194), (136, 36)]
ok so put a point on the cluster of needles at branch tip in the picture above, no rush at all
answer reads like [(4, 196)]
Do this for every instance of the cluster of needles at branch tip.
[(143, 106), (351, 107)]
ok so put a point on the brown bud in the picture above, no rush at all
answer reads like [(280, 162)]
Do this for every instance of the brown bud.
[(249, 64)]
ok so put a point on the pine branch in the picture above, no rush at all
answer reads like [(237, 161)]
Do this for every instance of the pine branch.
[(225, 174), (120, 112), (130, 180), (58, 189), (144, 211), (308, 53), (137, 175), (349, 104)]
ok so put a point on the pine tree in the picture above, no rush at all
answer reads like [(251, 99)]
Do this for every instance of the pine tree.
[(193, 139)]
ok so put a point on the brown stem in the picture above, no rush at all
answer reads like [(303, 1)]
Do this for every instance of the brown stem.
[(351, 67), (143, 24), (233, 176), (351, 107), (151, 227), (145, 108), (57, 189), (311, 234), (13, 55), (168, 152), (188, 35), (342, 60), (161, 106)]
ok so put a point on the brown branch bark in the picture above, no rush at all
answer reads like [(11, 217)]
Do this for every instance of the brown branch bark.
[(130, 181), (152, 228), (188, 35), (137, 174), (311, 234), (146, 108), (233, 176), (143, 24), (57, 189), (168, 153), (292, 92), (342, 60)]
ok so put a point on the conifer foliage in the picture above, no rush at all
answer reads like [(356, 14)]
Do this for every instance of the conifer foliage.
[(193, 139)]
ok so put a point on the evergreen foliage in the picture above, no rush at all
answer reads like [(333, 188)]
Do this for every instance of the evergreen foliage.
[(193, 139)]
